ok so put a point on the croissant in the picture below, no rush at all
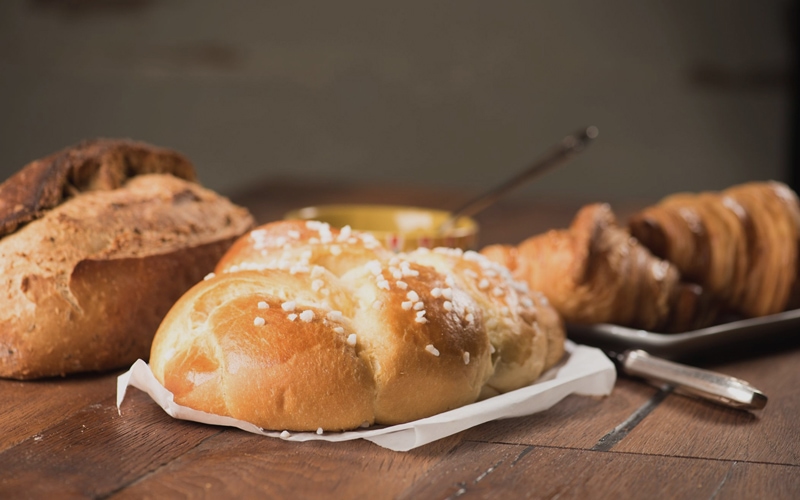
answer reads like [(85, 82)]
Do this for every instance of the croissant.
[(741, 244), (595, 272), (306, 327)]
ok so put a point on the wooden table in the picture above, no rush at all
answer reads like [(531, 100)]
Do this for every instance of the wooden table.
[(64, 438)]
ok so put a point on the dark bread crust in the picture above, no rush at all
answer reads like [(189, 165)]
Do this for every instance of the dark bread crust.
[(100, 240), (98, 164)]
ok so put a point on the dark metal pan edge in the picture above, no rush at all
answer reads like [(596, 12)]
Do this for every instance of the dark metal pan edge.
[(688, 344)]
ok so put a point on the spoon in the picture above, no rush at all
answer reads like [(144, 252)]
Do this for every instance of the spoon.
[(562, 152)]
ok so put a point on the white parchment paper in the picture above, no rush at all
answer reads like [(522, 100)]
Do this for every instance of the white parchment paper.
[(584, 371)]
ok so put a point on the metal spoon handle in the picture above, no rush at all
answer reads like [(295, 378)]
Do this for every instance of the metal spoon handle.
[(563, 151), (688, 380)]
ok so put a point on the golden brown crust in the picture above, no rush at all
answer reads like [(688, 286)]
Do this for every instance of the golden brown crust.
[(740, 244), (552, 324), (99, 164), (85, 286), (595, 272), (526, 334), (411, 334), (419, 366), (213, 355)]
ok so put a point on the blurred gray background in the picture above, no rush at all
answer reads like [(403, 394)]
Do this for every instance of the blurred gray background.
[(688, 95)]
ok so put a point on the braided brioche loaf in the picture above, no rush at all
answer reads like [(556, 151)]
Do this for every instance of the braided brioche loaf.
[(306, 327)]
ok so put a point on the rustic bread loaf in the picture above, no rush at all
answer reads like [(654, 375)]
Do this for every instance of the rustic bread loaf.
[(287, 337), (89, 269)]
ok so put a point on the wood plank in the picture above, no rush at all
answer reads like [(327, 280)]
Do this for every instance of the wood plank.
[(687, 427), (235, 464), (575, 422), (96, 451), (40, 404), (747, 480), (478, 470)]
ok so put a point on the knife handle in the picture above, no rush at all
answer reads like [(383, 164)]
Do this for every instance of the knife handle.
[(715, 387)]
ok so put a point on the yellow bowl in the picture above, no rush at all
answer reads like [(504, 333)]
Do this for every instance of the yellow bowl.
[(400, 228)]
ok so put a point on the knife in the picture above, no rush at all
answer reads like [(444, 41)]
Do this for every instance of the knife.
[(690, 381)]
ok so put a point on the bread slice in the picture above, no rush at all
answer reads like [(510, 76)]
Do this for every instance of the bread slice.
[(85, 283)]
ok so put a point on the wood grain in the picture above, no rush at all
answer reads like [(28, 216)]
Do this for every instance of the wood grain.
[(477, 470), (688, 427), (97, 451), (234, 464), (576, 422), (38, 405)]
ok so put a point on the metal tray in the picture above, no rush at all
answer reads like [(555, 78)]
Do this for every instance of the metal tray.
[(702, 342)]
